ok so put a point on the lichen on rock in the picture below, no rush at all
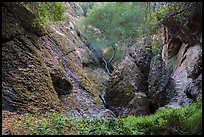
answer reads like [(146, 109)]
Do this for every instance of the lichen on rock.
[(125, 93)]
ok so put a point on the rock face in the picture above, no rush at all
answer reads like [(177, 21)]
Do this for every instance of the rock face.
[(52, 67), (142, 57), (25, 77), (158, 89), (127, 88), (125, 93), (186, 62), (48, 68), (187, 75), (171, 84), (107, 113)]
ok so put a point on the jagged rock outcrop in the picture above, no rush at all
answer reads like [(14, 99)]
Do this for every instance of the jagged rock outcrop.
[(25, 78), (173, 81), (52, 67), (186, 62), (159, 92), (142, 57), (125, 93), (182, 55), (48, 68), (187, 75)]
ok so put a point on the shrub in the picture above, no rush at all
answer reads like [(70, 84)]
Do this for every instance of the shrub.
[(54, 123), (165, 121), (111, 126), (46, 11)]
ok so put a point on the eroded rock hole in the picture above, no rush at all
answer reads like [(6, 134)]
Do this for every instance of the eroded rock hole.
[(78, 34), (153, 107), (62, 86)]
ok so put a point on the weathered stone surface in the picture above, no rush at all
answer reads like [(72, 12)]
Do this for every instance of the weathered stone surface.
[(42, 71), (9, 28), (75, 9), (194, 72), (22, 17), (187, 63), (173, 47), (126, 93), (194, 89), (26, 78), (142, 56), (157, 83), (107, 113), (187, 75)]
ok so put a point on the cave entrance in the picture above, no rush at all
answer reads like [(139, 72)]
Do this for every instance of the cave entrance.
[(61, 85)]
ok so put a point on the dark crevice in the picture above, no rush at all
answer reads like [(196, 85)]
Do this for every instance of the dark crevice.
[(153, 107), (78, 34), (190, 96), (61, 85), (182, 60)]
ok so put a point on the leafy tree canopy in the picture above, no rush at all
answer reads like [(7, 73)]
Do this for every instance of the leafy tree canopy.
[(113, 24)]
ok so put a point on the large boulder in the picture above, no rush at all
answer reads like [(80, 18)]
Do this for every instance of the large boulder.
[(142, 57), (158, 80), (125, 93)]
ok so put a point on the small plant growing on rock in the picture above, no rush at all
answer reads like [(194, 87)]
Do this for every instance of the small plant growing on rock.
[(46, 11)]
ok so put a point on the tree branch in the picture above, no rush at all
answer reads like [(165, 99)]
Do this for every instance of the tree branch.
[(106, 64), (113, 56)]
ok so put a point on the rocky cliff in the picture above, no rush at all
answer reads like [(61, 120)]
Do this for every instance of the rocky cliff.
[(184, 55), (52, 67), (48, 68), (143, 83)]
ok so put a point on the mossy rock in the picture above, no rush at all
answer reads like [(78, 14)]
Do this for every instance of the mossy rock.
[(27, 78), (125, 93)]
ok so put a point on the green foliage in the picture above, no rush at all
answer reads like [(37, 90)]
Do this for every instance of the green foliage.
[(46, 11), (86, 6), (54, 123), (165, 121), (111, 126), (173, 15), (163, 13), (194, 122), (113, 24), (178, 11)]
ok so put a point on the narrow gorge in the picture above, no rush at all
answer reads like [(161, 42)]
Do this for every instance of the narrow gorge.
[(55, 68)]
